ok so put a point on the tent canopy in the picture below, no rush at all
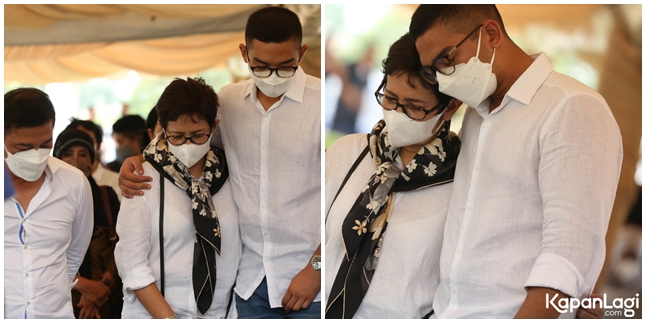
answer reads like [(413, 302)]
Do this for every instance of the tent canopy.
[(72, 42)]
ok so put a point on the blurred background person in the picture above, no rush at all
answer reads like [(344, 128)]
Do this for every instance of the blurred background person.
[(354, 78), (131, 137), (98, 291), (101, 175)]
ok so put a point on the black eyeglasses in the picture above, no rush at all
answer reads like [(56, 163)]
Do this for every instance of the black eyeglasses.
[(442, 63), (265, 72), (196, 138), (412, 111)]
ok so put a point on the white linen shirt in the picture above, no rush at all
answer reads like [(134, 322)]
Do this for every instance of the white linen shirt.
[(137, 252), (532, 196), (103, 176), (42, 258), (274, 160), (408, 270)]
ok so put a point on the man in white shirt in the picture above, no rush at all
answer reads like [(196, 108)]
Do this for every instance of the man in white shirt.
[(101, 175), (536, 177), (48, 222), (270, 129)]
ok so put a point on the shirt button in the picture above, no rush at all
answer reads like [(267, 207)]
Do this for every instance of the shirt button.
[(477, 167), (24, 247), (264, 147), (264, 175), (460, 249), (263, 204), (26, 274), (486, 124), (469, 208), (28, 302), (453, 290), (265, 233)]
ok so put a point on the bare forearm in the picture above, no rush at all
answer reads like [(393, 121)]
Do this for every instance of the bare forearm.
[(154, 302), (534, 306)]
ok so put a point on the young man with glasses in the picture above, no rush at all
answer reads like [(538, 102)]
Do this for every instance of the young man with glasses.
[(270, 130), (536, 177), (271, 133)]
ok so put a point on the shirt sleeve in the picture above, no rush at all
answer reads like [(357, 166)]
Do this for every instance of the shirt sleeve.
[(578, 172), (134, 231), (81, 230)]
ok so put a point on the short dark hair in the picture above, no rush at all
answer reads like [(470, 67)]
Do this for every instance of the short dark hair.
[(273, 25), (403, 59), (191, 97), (131, 126), (89, 126), (151, 120), (459, 18), (27, 107)]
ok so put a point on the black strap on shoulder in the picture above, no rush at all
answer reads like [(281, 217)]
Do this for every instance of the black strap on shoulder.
[(428, 315), (347, 176), (161, 232)]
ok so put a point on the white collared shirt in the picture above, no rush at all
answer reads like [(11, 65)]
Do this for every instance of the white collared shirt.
[(274, 159), (45, 244), (533, 192), (103, 176), (137, 252), (407, 272)]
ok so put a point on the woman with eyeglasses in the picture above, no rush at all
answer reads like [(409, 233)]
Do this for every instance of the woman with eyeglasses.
[(179, 244), (386, 199)]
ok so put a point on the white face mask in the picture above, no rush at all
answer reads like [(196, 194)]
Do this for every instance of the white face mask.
[(190, 154), (472, 82), (272, 86), (29, 164), (404, 131)]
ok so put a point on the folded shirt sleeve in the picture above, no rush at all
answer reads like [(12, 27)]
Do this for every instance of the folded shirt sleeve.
[(131, 252), (581, 158)]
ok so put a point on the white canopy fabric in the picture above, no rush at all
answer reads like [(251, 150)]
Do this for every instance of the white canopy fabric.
[(57, 43)]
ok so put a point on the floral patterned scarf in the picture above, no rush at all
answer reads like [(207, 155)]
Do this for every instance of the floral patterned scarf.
[(205, 220), (365, 225)]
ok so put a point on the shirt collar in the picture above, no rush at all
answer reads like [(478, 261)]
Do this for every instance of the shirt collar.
[(52, 167), (524, 89), (295, 92)]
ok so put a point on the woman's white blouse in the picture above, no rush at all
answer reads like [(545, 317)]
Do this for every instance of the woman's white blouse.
[(407, 274), (137, 252)]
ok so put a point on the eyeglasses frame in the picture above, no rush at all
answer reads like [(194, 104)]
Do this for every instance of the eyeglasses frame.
[(402, 106), (432, 77)]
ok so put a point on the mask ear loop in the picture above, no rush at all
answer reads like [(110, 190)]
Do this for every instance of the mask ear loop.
[(478, 50), (442, 115)]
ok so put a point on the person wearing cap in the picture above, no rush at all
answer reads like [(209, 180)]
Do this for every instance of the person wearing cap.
[(97, 293), (48, 222)]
